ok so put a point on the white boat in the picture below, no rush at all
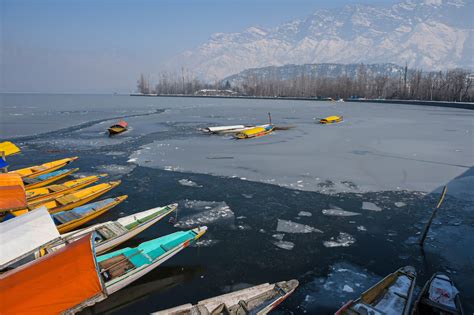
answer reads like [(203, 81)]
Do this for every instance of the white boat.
[(392, 295), (21, 236), (226, 129), (112, 233), (258, 300)]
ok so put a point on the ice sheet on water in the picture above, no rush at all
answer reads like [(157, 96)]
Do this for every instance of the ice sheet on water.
[(342, 240), (208, 213), (370, 206), (188, 183), (304, 214), (278, 236), (339, 213), (343, 282), (115, 170), (284, 245), (400, 204), (287, 226)]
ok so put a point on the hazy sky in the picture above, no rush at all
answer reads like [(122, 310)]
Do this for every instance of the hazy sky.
[(101, 46)]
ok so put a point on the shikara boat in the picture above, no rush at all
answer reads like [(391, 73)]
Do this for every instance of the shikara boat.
[(259, 300), (331, 120), (113, 233), (8, 148), (24, 235), (226, 129), (119, 127), (73, 277), (75, 198), (35, 171), (52, 191), (123, 266), (392, 295), (258, 131), (46, 179), (438, 296), (67, 221)]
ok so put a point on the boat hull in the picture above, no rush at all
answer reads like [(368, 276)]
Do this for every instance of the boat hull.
[(35, 171), (50, 180)]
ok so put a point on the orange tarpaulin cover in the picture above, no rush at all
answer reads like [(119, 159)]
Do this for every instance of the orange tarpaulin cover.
[(12, 192), (53, 283)]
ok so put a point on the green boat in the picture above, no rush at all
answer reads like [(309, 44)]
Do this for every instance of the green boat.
[(121, 267)]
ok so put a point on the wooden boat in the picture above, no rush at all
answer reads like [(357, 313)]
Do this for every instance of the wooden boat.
[(35, 171), (52, 191), (67, 221), (119, 127), (392, 295), (259, 300), (46, 179), (258, 131), (438, 296), (74, 277), (8, 148), (113, 233), (12, 195), (123, 266), (226, 129), (75, 199), (331, 120)]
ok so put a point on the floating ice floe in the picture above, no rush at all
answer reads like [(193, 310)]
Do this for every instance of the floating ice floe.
[(304, 214), (284, 245), (132, 160), (343, 282), (370, 206), (342, 240), (278, 236), (208, 213), (205, 243), (115, 169), (339, 213), (286, 226), (247, 196), (400, 204), (361, 228), (188, 183)]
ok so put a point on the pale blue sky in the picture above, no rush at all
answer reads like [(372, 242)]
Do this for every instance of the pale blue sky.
[(101, 46)]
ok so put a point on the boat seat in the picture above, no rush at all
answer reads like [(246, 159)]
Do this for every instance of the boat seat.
[(67, 199), (66, 216), (56, 188), (115, 267), (28, 180), (39, 168)]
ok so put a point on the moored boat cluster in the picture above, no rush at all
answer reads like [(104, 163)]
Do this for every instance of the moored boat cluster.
[(63, 269)]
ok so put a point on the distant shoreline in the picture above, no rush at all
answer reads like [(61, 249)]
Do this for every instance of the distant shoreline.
[(463, 105)]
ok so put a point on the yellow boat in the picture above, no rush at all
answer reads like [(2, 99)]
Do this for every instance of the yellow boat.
[(52, 191), (35, 171), (46, 179), (257, 131), (8, 148), (75, 199), (330, 120), (69, 220)]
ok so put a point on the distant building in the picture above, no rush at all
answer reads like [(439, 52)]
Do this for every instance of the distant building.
[(215, 92)]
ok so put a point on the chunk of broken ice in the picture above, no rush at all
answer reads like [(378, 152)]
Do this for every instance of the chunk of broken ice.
[(342, 240), (400, 204), (370, 206), (286, 226), (304, 214), (284, 245), (339, 213), (188, 183), (219, 212)]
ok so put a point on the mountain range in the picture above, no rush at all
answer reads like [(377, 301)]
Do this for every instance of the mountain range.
[(424, 34)]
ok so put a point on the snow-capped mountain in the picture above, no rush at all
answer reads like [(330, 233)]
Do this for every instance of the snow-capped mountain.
[(427, 34)]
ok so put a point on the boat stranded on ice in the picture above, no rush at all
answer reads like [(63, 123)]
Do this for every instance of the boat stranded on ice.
[(117, 128)]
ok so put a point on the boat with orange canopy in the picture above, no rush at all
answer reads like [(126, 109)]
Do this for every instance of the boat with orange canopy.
[(12, 194), (73, 278)]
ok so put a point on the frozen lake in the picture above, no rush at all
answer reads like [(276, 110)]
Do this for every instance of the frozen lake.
[(335, 206)]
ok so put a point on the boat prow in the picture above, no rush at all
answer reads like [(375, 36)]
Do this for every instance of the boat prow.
[(260, 299), (392, 295), (119, 127), (438, 296)]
